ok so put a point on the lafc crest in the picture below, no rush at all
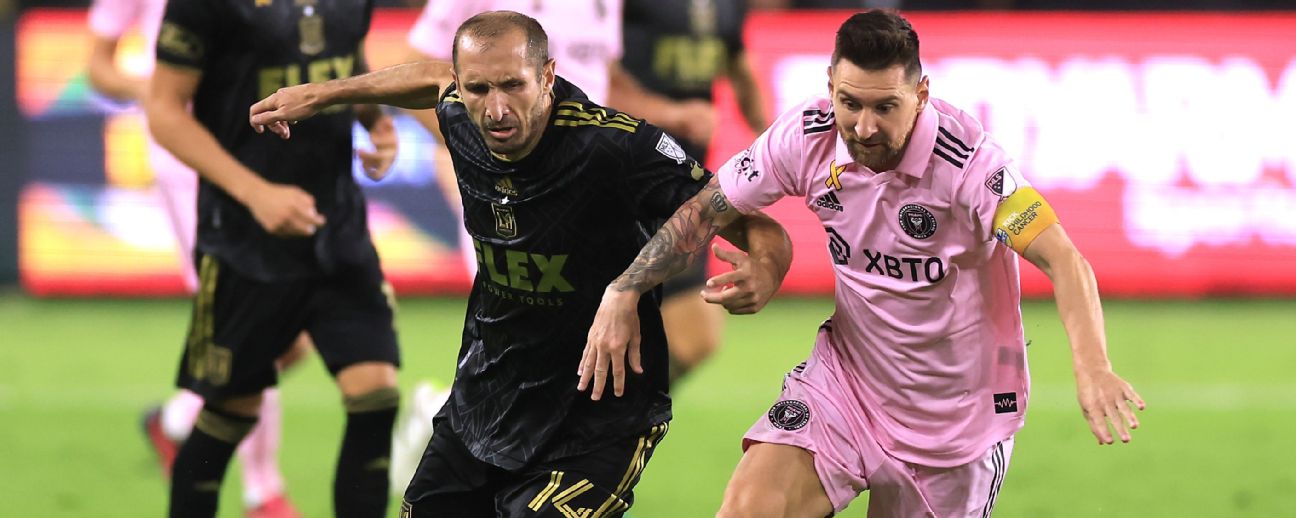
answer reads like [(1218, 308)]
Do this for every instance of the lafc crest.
[(505, 222), (310, 27)]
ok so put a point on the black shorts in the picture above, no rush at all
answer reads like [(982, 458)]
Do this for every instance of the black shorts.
[(240, 326), (451, 483), (689, 280)]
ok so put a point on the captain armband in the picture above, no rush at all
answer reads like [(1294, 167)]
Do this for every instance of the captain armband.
[(1021, 217)]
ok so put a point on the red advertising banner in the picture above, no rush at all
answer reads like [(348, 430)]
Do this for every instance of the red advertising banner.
[(1163, 140)]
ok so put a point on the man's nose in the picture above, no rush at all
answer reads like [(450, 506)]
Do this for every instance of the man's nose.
[(496, 106), (866, 125)]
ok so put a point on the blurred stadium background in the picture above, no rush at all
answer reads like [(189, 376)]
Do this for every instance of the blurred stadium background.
[(1163, 138)]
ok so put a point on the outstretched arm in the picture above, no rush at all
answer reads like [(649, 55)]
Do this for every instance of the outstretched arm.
[(1104, 397), (614, 336), (413, 86)]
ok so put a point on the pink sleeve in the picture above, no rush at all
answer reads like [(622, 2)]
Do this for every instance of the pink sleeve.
[(989, 178), (760, 175), (111, 18), (433, 32), (615, 43)]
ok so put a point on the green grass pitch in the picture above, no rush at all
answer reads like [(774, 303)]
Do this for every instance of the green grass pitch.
[(1219, 436)]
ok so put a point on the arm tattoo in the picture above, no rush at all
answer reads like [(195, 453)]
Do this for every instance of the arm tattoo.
[(678, 243)]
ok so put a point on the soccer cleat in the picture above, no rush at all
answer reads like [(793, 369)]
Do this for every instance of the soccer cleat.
[(165, 448), (276, 507), (412, 433)]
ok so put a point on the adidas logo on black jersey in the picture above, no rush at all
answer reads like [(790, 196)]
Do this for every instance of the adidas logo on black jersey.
[(829, 201)]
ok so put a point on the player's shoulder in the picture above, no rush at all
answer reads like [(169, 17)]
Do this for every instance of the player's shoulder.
[(959, 135), (813, 116), (964, 148), (591, 118)]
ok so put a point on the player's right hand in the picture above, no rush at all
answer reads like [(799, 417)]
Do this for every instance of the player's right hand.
[(285, 210), (284, 107), (613, 341)]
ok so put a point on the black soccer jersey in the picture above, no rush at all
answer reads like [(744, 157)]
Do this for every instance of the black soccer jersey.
[(551, 231), (679, 47), (246, 50)]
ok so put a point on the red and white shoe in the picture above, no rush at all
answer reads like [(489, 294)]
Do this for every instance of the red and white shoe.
[(165, 448), (276, 507)]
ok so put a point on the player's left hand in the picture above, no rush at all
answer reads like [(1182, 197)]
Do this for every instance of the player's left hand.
[(1106, 398), (284, 107), (746, 289), (613, 341), (378, 162)]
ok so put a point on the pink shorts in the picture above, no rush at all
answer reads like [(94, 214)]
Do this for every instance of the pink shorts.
[(811, 414)]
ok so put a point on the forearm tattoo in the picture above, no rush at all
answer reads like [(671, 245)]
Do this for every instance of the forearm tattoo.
[(678, 243)]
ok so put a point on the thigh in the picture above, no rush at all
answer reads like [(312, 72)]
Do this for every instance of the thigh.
[(239, 327), (352, 318), (969, 490), (449, 481), (599, 483), (778, 479)]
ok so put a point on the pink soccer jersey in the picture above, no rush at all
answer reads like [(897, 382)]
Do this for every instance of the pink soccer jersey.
[(927, 326), (584, 35), (113, 18)]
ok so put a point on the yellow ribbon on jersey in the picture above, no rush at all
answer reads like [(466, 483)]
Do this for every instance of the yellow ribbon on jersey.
[(1021, 217)]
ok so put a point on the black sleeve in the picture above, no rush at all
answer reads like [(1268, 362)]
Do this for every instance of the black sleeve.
[(661, 176), (188, 33), (734, 40)]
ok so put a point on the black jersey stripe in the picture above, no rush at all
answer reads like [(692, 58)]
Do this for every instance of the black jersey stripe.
[(954, 139), (818, 129), (951, 148), (950, 159)]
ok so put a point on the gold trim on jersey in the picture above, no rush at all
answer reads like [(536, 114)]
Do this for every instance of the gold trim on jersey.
[(614, 503), (206, 360), (572, 113), (555, 479), (452, 97)]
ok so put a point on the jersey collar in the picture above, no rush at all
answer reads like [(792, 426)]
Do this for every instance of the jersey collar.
[(917, 154)]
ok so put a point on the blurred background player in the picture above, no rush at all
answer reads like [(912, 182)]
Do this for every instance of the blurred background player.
[(678, 49), (283, 226), (585, 41), (177, 186)]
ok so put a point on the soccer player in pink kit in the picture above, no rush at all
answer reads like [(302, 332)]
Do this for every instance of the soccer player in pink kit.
[(917, 384), (177, 186)]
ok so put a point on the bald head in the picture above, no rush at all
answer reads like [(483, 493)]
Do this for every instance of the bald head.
[(485, 29)]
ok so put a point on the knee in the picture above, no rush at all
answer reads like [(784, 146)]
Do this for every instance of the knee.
[(750, 502), (363, 378)]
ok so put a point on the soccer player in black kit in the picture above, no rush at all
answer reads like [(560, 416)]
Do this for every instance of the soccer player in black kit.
[(283, 244), (559, 196)]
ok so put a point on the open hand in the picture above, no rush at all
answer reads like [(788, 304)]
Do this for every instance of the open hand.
[(744, 290), (613, 341), (1106, 399)]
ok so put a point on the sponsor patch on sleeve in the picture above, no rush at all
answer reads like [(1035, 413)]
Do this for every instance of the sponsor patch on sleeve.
[(671, 149), (1021, 217)]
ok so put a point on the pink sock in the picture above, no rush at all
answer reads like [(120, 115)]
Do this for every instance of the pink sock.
[(179, 414), (259, 454)]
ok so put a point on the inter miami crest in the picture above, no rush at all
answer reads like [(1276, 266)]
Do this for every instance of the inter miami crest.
[(917, 221), (789, 415)]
